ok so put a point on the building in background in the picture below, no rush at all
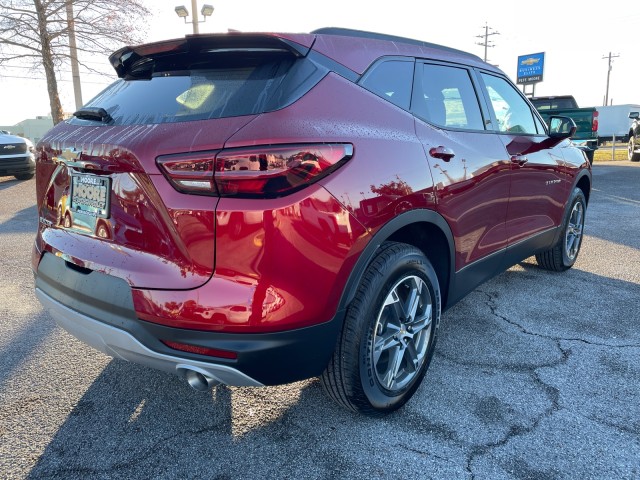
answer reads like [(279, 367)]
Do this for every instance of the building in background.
[(31, 128)]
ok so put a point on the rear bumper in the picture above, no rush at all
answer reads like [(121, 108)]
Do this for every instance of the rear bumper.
[(98, 309), (120, 344)]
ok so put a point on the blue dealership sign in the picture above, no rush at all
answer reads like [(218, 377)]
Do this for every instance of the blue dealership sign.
[(530, 68)]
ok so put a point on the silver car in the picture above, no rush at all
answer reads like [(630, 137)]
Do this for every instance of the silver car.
[(16, 157)]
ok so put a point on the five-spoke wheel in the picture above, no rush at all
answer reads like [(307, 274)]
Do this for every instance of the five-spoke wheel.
[(389, 333)]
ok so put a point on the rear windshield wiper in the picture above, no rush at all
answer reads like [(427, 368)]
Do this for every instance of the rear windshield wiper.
[(93, 113)]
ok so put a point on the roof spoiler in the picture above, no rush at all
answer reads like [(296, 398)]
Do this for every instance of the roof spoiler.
[(130, 61)]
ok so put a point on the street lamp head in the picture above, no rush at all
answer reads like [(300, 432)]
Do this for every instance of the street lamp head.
[(182, 12), (207, 10)]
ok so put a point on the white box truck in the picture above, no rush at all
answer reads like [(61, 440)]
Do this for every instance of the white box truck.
[(614, 120)]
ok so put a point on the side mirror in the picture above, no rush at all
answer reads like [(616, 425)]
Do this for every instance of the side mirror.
[(561, 127), (634, 115)]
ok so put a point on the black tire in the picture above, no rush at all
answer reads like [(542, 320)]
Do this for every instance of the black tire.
[(632, 154), (590, 154), (24, 176), (565, 252), (404, 349)]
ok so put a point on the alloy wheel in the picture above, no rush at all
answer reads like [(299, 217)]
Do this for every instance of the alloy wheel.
[(573, 235), (402, 333)]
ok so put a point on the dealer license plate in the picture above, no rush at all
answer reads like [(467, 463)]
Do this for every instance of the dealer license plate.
[(90, 195)]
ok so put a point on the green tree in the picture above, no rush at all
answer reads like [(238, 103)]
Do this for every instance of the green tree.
[(37, 33)]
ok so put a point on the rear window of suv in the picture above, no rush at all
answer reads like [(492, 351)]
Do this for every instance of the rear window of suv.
[(553, 103), (181, 95)]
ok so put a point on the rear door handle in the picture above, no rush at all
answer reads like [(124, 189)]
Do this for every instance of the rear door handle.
[(442, 153), (519, 159)]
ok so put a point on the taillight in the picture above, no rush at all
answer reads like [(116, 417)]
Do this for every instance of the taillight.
[(255, 172), (594, 122), (190, 173)]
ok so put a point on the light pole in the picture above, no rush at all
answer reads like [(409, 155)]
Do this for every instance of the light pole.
[(206, 11)]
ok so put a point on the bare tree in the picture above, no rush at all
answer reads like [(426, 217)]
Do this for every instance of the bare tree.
[(36, 33)]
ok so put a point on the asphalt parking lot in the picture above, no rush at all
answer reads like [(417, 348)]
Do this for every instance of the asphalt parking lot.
[(536, 376)]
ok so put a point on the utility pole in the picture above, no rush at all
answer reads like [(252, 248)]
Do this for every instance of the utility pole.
[(486, 43), (75, 70), (610, 58)]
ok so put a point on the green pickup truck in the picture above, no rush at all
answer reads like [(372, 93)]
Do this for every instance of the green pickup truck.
[(586, 119)]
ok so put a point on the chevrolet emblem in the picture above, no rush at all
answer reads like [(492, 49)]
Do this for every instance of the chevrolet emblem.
[(9, 147), (68, 155), (530, 61)]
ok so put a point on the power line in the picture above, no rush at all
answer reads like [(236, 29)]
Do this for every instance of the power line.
[(64, 71), (41, 79)]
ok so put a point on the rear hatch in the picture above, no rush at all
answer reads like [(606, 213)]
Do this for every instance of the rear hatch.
[(104, 203)]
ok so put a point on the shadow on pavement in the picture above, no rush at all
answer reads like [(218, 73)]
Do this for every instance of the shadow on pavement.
[(24, 221), (137, 423), (27, 341), (8, 182)]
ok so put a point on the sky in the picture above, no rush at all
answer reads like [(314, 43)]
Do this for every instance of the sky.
[(575, 38)]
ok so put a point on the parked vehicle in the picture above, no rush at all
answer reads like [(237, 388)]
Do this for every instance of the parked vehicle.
[(634, 137), (16, 157), (586, 119), (613, 120), (257, 209)]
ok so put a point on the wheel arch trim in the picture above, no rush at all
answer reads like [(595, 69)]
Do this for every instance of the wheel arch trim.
[(385, 232), (583, 174), (579, 177)]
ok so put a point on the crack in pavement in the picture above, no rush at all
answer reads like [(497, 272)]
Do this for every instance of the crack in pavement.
[(618, 428), (137, 459), (551, 392), (515, 368), (426, 453), (493, 307), (553, 395)]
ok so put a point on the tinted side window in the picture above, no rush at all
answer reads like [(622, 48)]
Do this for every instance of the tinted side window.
[(447, 98), (539, 126), (391, 80), (511, 110)]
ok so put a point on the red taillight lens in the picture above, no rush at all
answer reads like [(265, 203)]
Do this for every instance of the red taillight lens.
[(594, 123), (276, 171), (191, 173), (212, 352), (256, 172)]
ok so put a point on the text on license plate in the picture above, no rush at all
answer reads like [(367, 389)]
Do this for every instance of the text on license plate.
[(90, 195)]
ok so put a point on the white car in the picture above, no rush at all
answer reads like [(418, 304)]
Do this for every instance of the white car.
[(17, 157)]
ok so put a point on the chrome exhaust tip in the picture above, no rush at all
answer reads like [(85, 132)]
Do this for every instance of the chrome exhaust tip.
[(197, 378)]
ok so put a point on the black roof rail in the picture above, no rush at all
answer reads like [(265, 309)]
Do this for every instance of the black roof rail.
[(348, 32)]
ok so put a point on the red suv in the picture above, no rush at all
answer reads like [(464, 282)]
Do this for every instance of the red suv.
[(256, 209)]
